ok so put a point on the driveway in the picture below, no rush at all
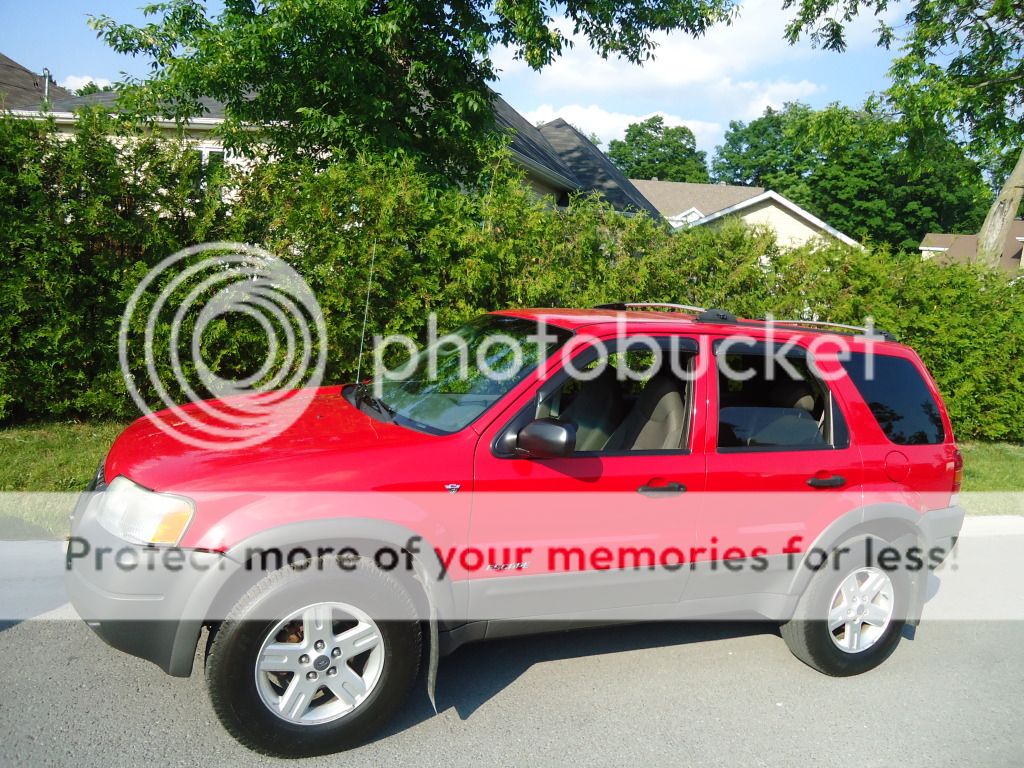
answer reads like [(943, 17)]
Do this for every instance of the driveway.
[(660, 694)]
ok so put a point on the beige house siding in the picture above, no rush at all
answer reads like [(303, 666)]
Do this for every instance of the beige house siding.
[(698, 205), (791, 231), (542, 188)]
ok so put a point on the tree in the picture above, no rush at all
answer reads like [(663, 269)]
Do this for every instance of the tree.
[(315, 77), (961, 65), (768, 152), (853, 169), (92, 87), (651, 150)]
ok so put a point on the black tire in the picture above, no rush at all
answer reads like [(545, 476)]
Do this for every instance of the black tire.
[(807, 633), (231, 664)]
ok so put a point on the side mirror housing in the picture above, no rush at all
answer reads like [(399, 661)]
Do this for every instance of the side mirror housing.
[(546, 439)]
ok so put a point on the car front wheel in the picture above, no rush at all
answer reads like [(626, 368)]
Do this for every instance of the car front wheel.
[(301, 666)]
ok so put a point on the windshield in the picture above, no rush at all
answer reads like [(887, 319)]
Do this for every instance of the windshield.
[(449, 384)]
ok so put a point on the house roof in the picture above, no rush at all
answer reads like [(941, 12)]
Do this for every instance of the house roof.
[(21, 87), (962, 249), (771, 197), (592, 167), (532, 147), (676, 199), (213, 109), (672, 198)]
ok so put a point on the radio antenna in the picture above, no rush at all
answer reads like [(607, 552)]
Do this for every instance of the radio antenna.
[(366, 313)]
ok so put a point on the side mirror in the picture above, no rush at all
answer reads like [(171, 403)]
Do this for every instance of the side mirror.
[(546, 439)]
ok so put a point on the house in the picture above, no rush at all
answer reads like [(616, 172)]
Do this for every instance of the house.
[(545, 171), (686, 204), (199, 131), (576, 166), (962, 249), (21, 87), (593, 169)]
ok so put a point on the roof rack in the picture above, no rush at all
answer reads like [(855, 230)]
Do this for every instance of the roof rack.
[(620, 306), (723, 316), (867, 330)]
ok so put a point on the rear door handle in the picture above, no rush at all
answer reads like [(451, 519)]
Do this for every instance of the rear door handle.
[(661, 491), (833, 481)]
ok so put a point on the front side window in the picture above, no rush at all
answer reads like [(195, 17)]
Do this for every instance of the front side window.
[(449, 384), (898, 397), (627, 401), (763, 406)]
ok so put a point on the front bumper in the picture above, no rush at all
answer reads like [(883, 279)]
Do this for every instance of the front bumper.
[(136, 598)]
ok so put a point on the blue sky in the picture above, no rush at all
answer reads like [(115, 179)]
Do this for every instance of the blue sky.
[(731, 74)]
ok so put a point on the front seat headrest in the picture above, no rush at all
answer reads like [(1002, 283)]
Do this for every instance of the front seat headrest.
[(794, 394)]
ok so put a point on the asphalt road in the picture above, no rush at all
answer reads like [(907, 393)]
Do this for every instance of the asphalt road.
[(687, 694)]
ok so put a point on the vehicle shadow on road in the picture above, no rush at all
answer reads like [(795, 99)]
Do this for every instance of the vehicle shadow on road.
[(479, 671)]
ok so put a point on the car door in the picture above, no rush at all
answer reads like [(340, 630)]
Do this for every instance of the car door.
[(605, 528), (781, 467)]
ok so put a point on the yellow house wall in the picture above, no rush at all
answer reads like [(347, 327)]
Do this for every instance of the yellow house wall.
[(790, 230)]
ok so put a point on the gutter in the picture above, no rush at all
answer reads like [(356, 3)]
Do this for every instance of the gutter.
[(70, 118)]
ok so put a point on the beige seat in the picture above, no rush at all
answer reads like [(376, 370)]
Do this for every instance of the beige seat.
[(798, 418), (656, 421), (596, 411)]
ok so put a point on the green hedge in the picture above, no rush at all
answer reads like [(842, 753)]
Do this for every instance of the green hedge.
[(84, 219)]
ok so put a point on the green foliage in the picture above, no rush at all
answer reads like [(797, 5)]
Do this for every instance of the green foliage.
[(651, 150), (83, 220), (961, 67), (92, 87), (854, 169), (88, 217), (351, 76)]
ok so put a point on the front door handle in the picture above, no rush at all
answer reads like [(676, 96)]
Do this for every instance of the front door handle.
[(661, 491), (833, 481)]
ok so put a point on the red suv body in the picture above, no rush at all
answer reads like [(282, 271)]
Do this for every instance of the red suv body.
[(671, 495)]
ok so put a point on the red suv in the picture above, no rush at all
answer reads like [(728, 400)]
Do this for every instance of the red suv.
[(534, 470)]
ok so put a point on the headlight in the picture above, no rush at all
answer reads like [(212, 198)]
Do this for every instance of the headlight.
[(135, 514)]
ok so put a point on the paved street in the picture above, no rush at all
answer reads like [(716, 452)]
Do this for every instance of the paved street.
[(698, 694)]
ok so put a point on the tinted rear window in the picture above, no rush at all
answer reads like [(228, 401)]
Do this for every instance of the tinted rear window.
[(898, 397)]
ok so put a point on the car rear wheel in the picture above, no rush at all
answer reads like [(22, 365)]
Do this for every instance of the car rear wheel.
[(851, 616), (301, 666)]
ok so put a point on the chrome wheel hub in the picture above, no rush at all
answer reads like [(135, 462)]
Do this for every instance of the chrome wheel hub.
[(861, 610), (319, 663)]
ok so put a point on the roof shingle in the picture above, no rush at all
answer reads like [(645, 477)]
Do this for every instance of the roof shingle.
[(593, 168), (961, 249), (674, 197), (21, 87)]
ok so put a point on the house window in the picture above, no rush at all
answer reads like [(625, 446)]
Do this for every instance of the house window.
[(211, 160)]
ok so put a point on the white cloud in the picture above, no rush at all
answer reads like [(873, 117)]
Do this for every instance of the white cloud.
[(74, 82), (734, 72), (612, 125), (752, 97), (754, 40)]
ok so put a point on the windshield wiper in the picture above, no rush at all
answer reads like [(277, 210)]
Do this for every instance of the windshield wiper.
[(363, 395)]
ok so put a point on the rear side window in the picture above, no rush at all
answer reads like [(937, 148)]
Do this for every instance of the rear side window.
[(898, 397), (764, 407)]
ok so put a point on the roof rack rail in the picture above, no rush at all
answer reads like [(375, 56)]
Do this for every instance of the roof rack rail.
[(715, 315), (867, 330), (622, 306)]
